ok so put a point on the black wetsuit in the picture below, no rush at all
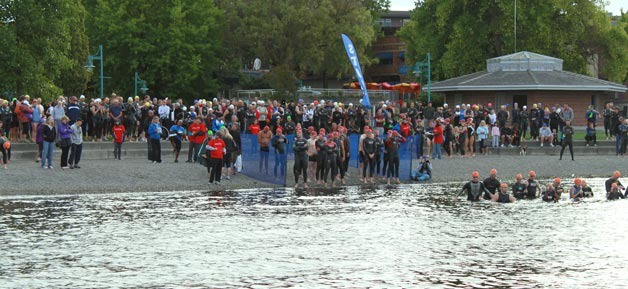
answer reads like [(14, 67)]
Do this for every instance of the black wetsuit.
[(331, 150), (300, 159), (587, 192), (550, 196), (392, 144), (518, 190), (614, 196), (503, 198), (320, 159), (474, 190), (533, 187), (491, 185), (369, 146), (610, 182), (567, 141)]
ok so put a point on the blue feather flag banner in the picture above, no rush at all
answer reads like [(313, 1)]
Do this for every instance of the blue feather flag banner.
[(355, 62)]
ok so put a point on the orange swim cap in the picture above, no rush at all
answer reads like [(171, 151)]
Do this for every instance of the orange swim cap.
[(557, 180), (6, 145), (475, 174), (532, 173), (577, 181)]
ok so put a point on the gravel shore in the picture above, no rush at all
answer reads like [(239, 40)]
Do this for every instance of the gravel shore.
[(138, 175)]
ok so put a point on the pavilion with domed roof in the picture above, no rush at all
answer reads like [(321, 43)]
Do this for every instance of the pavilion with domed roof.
[(527, 78)]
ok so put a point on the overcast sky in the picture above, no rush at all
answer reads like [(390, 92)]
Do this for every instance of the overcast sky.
[(614, 6)]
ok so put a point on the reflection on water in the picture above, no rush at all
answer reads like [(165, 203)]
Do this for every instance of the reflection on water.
[(410, 236)]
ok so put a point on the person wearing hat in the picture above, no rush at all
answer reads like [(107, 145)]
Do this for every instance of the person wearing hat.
[(263, 139), (280, 144), (553, 191), (614, 179), (503, 196), (519, 188), (614, 193), (523, 118), (474, 188), (575, 192), (532, 185), (491, 183)]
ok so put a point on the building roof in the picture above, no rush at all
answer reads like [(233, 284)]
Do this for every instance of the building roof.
[(397, 14), (525, 71)]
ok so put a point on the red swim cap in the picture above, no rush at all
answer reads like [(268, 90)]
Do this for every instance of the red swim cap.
[(475, 174)]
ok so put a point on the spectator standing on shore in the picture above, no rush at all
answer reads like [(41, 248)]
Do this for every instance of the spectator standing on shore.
[(118, 138), (40, 139), (76, 148), (196, 136), (618, 125), (606, 114), (49, 134), (73, 110), (590, 135), (38, 113), (215, 150), (438, 140), (567, 139), (591, 115), (177, 133), (154, 132), (482, 133), (623, 133), (65, 141), (496, 135), (58, 112)]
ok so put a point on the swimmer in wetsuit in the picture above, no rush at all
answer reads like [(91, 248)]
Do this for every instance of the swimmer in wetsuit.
[(615, 193), (553, 191), (575, 192), (519, 188), (474, 188), (492, 184), (586, 190), (503, 196), (533, 185)]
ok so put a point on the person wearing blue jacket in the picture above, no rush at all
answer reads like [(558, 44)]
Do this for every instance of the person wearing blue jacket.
[(154, 131)]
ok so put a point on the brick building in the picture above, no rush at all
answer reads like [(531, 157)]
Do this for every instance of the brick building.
[(527, 78), (390, 50)]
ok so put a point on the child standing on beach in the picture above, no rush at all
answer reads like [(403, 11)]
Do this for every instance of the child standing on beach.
[(118, 139), (495, 133)]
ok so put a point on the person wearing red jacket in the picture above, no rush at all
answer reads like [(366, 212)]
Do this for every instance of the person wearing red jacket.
[(118, 138), (254, 128), (438, 140), (405, 128), (196, 136), (216, 148)]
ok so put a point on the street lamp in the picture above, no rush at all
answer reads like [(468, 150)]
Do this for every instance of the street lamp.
[(418, 69), (90, 66), (137, 80)]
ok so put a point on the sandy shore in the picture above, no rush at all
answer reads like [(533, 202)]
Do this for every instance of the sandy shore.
[(138, 175)]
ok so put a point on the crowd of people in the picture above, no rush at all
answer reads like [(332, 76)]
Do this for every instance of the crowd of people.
[(493, 190), (324, 126)]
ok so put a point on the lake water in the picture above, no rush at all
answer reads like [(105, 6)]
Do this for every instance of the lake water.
[(411, 236)]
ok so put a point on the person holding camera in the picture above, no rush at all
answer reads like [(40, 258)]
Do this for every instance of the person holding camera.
[(423, 171)]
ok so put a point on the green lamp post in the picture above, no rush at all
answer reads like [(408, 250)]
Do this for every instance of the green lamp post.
[(90, 65), (418, 70), (137, 80)]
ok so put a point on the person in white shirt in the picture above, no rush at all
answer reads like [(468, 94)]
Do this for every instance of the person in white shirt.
[(546, 135)]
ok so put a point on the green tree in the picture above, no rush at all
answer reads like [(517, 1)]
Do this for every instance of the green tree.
[(36, 46), (462, 34), (302, 36), (175, 46)]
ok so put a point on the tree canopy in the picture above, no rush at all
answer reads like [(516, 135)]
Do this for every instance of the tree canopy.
[(462, 34)]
